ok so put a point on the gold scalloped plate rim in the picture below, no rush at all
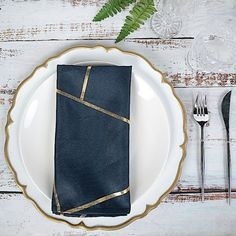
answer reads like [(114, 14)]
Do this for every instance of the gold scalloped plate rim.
[(82, 225)]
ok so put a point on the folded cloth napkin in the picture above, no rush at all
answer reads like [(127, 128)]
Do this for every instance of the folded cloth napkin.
[(92, 141)]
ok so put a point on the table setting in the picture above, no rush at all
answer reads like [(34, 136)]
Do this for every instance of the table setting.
[(129, 132)]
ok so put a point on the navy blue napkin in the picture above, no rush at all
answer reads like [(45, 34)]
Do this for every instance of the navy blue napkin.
[(92, 141)]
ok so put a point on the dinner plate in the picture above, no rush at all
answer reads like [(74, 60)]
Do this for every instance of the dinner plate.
[(157, 134)]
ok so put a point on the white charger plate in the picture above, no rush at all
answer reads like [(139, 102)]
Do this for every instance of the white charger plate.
[(157, 134)]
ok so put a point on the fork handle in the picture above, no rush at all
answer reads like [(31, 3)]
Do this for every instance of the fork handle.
[(202, 162)]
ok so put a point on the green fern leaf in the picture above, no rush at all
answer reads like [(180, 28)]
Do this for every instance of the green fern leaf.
[(111, 8), (142, 10)]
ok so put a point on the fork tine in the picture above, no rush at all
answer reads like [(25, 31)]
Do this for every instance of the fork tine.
[(202, 105), (196, 101), (196, 106), (205, 100), (205, 105)]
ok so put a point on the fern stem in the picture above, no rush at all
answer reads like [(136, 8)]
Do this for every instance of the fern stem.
[(138, 15), (111, 8)]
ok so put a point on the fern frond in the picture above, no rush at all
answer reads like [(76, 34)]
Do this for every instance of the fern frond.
[(142, 10), (111, 8)]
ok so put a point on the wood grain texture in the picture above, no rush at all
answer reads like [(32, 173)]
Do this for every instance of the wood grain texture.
[(19, 217), (18, 59), (72, 19), (31, 31), (15, 68)]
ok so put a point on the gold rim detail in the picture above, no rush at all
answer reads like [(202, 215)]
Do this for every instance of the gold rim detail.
[(82, 225)]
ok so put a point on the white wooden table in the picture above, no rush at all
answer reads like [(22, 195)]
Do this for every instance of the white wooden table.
[(31, 31)]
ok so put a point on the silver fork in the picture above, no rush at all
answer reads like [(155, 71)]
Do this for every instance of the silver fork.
[(201, 116)]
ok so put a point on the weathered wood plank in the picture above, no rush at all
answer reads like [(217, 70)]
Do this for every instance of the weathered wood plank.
[(69, 19), (18, 216), (17, 60), (215, 147)]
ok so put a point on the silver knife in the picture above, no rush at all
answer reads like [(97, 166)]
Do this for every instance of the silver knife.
[(225, 108)]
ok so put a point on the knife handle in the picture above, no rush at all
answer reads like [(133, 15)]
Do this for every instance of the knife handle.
[(229, 167)]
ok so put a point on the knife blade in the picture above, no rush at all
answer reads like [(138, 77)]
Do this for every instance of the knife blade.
[(225, 108)]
